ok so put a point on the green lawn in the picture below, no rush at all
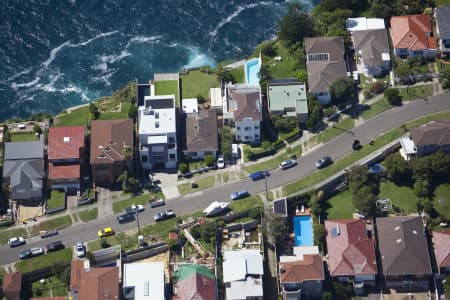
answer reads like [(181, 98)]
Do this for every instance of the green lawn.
[(63, 257), (238, 74), (23, 136), (143, 199), (441, 200), (285, 67), (246, 203), (56, 199), (88, 215), (198, 83), (53, 284), (203, 183), (53, 224), (168, 87), (7, 234), (77, 117), (274, 162), (376, 108), (401, 196), (122, 114), (416, 92), (341, 206)]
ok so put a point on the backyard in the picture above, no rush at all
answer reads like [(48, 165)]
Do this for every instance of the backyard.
[(168, 87), (23, 136), (402, 197), (340, 206), (441, 201), (197, 83)]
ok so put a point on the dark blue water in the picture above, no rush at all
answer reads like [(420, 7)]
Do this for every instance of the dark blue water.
[(58, 53)]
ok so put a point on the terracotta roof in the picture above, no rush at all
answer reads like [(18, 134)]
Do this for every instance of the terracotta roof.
[(403, 246), (63, 171), (310, 268), (441, 241), (351, 251), (99, 284), (50, 298), (108, 138), (248, 105), (12, 282), (77, 268), (195, 282), (334, 46), (412, 32), (322, 74), (201, 131), (435, 133), (65, 142)]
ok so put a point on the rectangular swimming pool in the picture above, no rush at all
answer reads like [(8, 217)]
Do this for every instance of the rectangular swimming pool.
[(252, 72), (303, 231)]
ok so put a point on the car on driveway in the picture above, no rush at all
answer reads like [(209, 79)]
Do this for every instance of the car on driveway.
[(323, 162), (239, 195), (54, 246), (164, 215), (16, 241), (259, 175), (137, 208), (220, 162), (286, 164), (107, 231), (81, 249)]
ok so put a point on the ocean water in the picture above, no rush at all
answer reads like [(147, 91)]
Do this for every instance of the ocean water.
[(59, 53)]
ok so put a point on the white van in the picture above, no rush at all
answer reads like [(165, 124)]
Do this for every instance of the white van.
[(21, 126)]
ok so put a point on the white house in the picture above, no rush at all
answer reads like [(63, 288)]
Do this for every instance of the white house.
[(443, 28), (158, 132), (247, 114), (144, 281)]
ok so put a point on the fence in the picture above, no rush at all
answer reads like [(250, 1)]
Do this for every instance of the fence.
[(144, 252), (243, 226)]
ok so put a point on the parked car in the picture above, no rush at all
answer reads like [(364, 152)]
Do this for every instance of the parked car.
[(239, 195), (16, 241), (137, 208), (81, 249), (128, 210), (286, 164), (220, 162), (47, 234), (164, 215), (31, 252), (156, 203), (54, 246), (105, 232), (356, 145), (259, 175), (126, 217), (323, 162)]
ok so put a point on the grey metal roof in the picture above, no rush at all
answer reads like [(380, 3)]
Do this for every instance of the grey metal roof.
[(443, 21), (24, 150)]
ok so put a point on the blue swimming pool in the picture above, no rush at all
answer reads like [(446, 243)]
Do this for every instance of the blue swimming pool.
[(251, 72), (303, 231)]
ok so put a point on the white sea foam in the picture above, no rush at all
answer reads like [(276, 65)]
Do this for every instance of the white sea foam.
[(236, 13), (16, 86), (110, 59), (104, 78), (198, 59), (24, 72), (144, 39), (105, 34)]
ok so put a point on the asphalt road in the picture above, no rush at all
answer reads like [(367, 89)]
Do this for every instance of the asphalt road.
[(336, 148)]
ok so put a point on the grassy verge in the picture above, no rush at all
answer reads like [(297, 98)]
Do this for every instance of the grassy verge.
[(416, 92), (23, 136), (168, 87), (246, 203), (62, 257), (376, 108), (340, 206), (357, 155), (198, 83), (203, 183), (141, 199), (339, 128), (274, 162), (7, 234), (88, 215), (53, 224), (56, 199)]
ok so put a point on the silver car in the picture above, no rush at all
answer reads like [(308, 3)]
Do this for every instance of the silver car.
[(81, 249)]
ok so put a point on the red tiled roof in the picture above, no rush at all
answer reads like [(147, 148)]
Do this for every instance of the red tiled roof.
[(441, 241), (412, 32), (196, 287), (63, 172), (310, 268), (12, 282), (352, 251), (76, 270), (100, 284), (65, 142), (50, 298)]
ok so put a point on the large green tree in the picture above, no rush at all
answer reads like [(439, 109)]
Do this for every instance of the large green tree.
[(342, 90), (315, 111), (295, 25)]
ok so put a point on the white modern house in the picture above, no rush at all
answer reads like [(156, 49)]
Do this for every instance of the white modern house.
[(247, 114), (158, 132), (144, 281)]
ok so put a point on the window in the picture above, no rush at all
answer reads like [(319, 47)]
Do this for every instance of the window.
[(238, 137), (238, 128), (248, 128), (144, 158), (172, 157), (208, 153), (157, 124), (246, 137), (156, 115), (256, 136), (256, 127), (171, 139)]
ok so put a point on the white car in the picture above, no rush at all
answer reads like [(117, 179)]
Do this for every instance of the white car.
[(16, 241), (137, 208), (220, 162), (81, 249)]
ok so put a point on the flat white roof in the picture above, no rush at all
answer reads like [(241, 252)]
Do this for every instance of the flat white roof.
[(299, 252), (408, 145), (146, 278), (215, 94), (238, 264), (189, 105), (251, 287), (157, 120), (363, 23)]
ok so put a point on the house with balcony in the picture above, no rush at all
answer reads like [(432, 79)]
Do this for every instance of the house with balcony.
[(412, 36), (441, 246), (403, 249), (301, 275), (247, 114), (442, 14), (325, 62), (351, 253), (201, 134), (157, 127), (24, 171), (66, 151), (287, 98), (111, 149)]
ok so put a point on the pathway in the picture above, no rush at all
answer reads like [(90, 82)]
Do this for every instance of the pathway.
[(104, 201)]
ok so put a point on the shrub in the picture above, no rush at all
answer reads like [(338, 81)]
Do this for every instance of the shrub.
[(393, 96), (376, 87), (254, 213), (209, 160), (184, 168)]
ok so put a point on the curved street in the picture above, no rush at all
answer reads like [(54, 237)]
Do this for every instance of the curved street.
[(336, 148)]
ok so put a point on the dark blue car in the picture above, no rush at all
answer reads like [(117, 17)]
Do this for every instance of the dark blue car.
[(259, 175)]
